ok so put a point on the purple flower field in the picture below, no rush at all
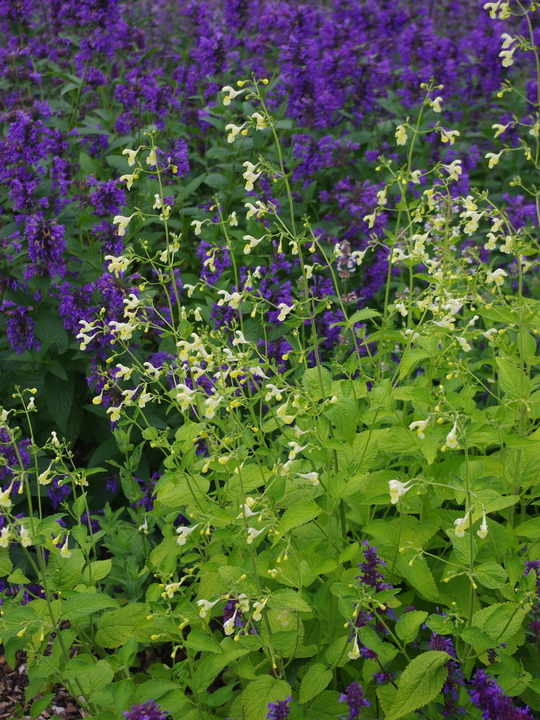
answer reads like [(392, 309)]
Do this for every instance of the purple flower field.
[(269, 409)]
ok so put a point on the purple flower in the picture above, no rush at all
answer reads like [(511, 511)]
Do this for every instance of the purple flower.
[(355, 699), (371, 574), (149, 710), (19, 327), (46, 246), (494, 704), (279, 710)]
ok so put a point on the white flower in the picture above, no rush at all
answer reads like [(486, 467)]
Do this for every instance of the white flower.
[(228, 625), (251, 243), (233, 131), (45, 477), (171, 588), (273, 391), (258, 606), (448, 136), (252, 534), (64, 550), (496, 277), (508, 244), (233, 300), (128, 179), (313, 477), (454, 170), (295, 449), (281, 412), (250, 175), (400, 307), (436, 104), (490, 333), (25, 536), (464, 344), (493, 158), (151, 159), (205, 606), (132, 154), (233, 220), (284, 311), (398, 489), (5, 500), (5, 537), (143, 399), (123, 372), (492, 239), (122, 223), (211, 405), (460, 525), (401, 135), (499, 129), (259, 209), (355, 653), (231, 94), (144, 527), (260, 123), (114, 413), (197, 224), (183, 533), (240, 339), (246, 511), (54, 439), (123, 330), (451, 439), (447, 322), (415, 176), (483, 527), (132, 302), (117, 264), (419, 426)]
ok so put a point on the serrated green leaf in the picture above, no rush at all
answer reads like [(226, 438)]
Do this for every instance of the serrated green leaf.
[(500, 621), (216, 181), (300, 513), (288, 600), (420, 683), (418, 575), (84, 604), (344, 416), (317, 382), (513, 380), (117, 627), (530, 529), (314, 682), (201, 642), (259, 693), (97, 570), (490, 574), (410, 360), (209, 668), (409, 623)]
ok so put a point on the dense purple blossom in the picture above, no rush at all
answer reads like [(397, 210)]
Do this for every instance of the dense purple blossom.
[(107, 197), (58, 491), (454, 679), (493, 703), (10, 465), (355, 699), (371, 574), (46, 247), (19, 327), (279, 710), (149, 710)]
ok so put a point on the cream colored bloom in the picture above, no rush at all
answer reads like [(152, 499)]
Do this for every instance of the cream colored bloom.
[(497, 277), (233, 300), (5, 500), (132, 154), (233, 131), (451, 439), (461, 525), (493, 158), (482, 533), (401, 135), (129, 179), (253, 533), (231, 94), (454, 170), (64, 550), (284, 310), (313, 477), (398, 489), (151, 159), (184, 532), (114, 413), (258, 607), (436, 104), (260, 122), (46, 476), (355, 653), (419, 426), (464, 344), (448, 136), (117, 265), (25, 538), (205, 606), (5, 537), (122, 223)]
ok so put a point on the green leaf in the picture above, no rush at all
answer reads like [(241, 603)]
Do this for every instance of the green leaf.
[(420, 683), (84, 604), (344, 416), (325, 706), (410, 359), (409, 623), (363, 314), (209, 668), (96, 571), (299, 514), (50, 330), (530, 529), (349, 553), (259, 693), (117, 627), (513, 380), (200, 641), (317, 382), (40, 705), (216, 181), (59, 399), (5, 563), (500, 621), (314, 681), (491, 575), (288, 600), (479, 640), (18, 577), (371, 640), (79, 505), (418, 575)]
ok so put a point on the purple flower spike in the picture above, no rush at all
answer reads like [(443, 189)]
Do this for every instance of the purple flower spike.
[(279, 710), (355, 699), (494, 704), (149, 710)]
